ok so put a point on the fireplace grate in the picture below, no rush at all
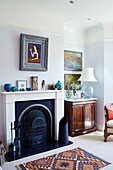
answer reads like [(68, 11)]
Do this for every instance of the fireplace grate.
[(34, 135)]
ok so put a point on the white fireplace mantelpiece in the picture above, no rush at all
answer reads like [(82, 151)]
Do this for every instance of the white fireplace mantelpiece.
[(9, 99)]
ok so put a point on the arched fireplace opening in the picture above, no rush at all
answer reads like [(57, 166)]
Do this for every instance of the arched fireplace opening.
[(35, 123)]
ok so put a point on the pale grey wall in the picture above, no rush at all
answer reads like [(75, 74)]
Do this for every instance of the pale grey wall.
[(94, 57), (108, 72)]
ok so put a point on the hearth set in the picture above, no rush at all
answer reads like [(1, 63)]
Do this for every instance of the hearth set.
[(31, 121)]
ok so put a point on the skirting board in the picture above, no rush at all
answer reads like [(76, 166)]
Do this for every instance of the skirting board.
[(99, 127)]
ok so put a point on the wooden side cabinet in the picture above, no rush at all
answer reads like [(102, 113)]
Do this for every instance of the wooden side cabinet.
[(80, 115)]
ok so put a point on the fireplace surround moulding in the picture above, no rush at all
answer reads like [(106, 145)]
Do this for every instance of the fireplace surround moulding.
[(9, 99)]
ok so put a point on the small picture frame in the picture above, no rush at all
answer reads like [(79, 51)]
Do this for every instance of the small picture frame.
[(34, 82), (21, 85)]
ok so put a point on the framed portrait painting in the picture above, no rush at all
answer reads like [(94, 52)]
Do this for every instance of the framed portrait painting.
[(33, 53), (72, 61)]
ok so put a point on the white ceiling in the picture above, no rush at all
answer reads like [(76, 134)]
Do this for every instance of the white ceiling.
[(97, 10)]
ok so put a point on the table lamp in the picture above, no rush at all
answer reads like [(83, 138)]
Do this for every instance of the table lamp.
[(87, 77)]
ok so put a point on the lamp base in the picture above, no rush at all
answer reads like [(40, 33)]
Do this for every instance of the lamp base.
[(88, 90)]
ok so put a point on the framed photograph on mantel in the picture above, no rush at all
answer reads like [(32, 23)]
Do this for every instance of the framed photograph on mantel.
[(34, 82), (33, 53), (21, 85), (72, 61)]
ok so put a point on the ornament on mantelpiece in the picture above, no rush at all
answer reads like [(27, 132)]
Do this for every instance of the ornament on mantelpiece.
[(43, 85), (34, 82), (59, 85)]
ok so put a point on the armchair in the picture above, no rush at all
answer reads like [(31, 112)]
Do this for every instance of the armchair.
[(108, 121)]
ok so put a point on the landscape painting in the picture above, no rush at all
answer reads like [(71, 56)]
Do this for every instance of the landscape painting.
[(72, 61)]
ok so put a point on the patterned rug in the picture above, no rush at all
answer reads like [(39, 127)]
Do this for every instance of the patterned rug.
[(75, 159)]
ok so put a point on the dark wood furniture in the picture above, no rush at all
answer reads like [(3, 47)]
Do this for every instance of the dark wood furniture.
[(108, 121), (80, 115)]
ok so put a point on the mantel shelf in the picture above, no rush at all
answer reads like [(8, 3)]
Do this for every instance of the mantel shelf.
[(31, 92)]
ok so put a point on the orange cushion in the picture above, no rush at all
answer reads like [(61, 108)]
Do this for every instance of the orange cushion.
[(110, 112)]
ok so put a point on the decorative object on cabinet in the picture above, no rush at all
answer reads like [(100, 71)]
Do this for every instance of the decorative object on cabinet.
[(21, 85), (80, 115), (108, 121), (59, 85), (68, 94), (33, 53), (34, 82), (72, 60), (7, 87), (87, 76), (82, 95)]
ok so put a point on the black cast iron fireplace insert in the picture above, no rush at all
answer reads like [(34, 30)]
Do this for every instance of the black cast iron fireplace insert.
[(36, 125), (34, 128)]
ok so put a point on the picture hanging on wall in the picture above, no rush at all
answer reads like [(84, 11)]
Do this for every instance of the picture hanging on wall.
[(72, 61), (33, 53), (71, 80)]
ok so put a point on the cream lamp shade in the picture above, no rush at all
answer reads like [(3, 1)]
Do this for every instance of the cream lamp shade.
[(87, 75)]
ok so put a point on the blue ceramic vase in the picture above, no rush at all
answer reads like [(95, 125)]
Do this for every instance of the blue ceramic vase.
[(7, 87), (59, 85)]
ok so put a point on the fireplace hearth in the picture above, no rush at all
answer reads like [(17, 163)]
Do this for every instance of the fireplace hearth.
[(35, 150)]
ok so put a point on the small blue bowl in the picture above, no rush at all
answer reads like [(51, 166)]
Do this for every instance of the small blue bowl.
[(29, 88), (7, 87), (14, 89)]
